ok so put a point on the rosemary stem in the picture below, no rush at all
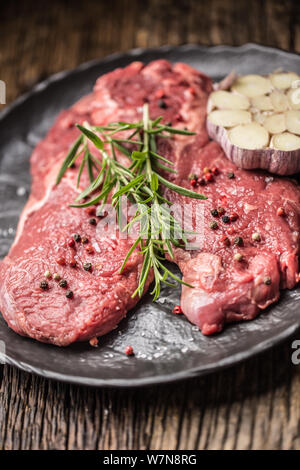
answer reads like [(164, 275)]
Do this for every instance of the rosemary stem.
[(140, 181), (146, 141)]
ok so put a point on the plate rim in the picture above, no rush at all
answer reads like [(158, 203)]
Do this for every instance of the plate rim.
[(156, 380), (160, 379), (40, 86)]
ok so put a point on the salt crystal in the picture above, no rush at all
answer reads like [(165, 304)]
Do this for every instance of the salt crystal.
[(21, 191)]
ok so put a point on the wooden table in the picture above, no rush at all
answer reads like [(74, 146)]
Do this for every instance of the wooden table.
[(255, 405)]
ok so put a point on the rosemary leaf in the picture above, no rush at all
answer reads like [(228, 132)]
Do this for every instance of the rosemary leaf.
[(128, 186), (180, 189), (159, 157), (94, 185), (69, 158), (164, 167), (133, 247), (92, 137), (175, 130), (82, 164), (90, 168), (122, 148)]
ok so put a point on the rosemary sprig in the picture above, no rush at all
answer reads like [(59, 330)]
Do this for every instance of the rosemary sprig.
[(140, 182)]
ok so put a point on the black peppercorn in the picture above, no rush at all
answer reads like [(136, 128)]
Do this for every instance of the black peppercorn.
[(162, 104), (87, 266), (93, 222), (267, 280), (214, 213), (238, 241), (77, 237), (69, 294), (226, 219), (230, 175), (213, 225), (63, 283), (44, 285)]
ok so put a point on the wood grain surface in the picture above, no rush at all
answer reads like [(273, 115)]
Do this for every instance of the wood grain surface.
[(255, 405)]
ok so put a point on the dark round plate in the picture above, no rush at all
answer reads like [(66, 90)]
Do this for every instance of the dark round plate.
[(167, 347)]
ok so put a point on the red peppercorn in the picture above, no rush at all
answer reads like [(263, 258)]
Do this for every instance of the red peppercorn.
[(61, 261), (178, 117), (94, 342), (280, 211), (221, 210), (129, 351), (215, 170), (192, 90), (233, 217), (209, 176), (194, 183), (71, 243), (90, 249), (225, 241), (90, 210), (230, 230), (159, 93), (73, 263), (177, 310)]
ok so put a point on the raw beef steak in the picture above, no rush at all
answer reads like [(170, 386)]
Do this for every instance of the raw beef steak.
[(224, 289)]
